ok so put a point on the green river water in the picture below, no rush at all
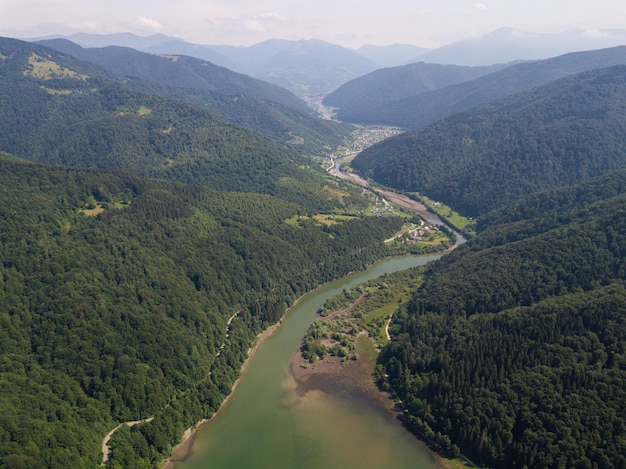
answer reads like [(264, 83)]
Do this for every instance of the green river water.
[(266, 424)]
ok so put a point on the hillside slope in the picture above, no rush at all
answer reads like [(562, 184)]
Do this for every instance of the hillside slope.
[(560, 134), (514, 348), (266, 108), (359, 96), (420, 110), (115, 292), (60, 110)]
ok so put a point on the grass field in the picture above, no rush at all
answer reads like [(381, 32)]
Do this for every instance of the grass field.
[(459, 222)]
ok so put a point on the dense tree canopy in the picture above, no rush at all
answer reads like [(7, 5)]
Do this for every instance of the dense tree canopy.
[(514, 348), (115, 292)]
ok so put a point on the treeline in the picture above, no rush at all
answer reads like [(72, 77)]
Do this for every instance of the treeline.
[(557, 135), (119, 313), (513, 350)]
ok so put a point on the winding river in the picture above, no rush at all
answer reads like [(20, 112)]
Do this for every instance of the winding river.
[(267, 424)]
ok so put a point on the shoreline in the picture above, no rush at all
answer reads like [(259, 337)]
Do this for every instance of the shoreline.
[(184, 449), (331, 375)]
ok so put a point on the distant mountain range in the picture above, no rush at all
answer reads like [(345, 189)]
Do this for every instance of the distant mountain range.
[(508, 44), (372, 99), (314, 67), (306, 68)]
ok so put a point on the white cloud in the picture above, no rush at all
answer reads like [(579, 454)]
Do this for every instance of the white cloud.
[(148, 23), (482, 6), (594, 33)]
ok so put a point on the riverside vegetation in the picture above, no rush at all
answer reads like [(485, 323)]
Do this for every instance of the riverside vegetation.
[(511, 349)]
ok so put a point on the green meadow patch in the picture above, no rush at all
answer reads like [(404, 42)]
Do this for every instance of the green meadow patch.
[(47, 69)]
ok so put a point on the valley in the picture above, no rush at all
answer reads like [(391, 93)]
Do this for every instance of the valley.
[(192, 255)]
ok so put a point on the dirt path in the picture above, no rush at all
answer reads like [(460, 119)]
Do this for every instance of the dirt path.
[(105, 443)]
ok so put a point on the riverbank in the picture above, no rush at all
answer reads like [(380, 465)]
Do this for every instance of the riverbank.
[(273, 428), (336, 376), (184, 449)]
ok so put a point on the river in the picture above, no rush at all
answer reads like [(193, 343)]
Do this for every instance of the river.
[(267, 424)]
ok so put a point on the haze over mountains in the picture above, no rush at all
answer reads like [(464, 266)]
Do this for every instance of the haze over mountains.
[(313, 67), (372, 99)]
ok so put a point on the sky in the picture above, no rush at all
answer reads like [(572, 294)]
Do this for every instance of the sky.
[(350, 23)]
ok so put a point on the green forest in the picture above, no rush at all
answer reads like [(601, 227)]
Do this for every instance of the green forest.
[(513, 350), (114, 297), (59, 110), (553, 136), (157, 214)]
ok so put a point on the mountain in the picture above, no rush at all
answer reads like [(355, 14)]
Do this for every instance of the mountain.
[(124, 298), (176, 71), (60, 110), (556, 135), (392, 55), (507, 45), (357, 97), (417, 111), (268, 109), (306, 67), (513, 350)]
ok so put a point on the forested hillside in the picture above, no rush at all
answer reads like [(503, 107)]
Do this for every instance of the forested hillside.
[(115, 293), (514, 348), (266, 108), (556, 135), (357, 97), (416, 112), (57, 109)]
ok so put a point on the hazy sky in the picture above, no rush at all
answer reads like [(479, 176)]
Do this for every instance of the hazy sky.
[(351, 23)]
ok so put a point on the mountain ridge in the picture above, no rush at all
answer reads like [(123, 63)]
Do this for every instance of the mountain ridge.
[(261, 106), (415, 112), (558, 134)]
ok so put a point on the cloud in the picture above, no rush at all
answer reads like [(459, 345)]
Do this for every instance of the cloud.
[(482, 6), (89, 25), (148, 23), (594, 33), (262, 22), (248, 23)]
